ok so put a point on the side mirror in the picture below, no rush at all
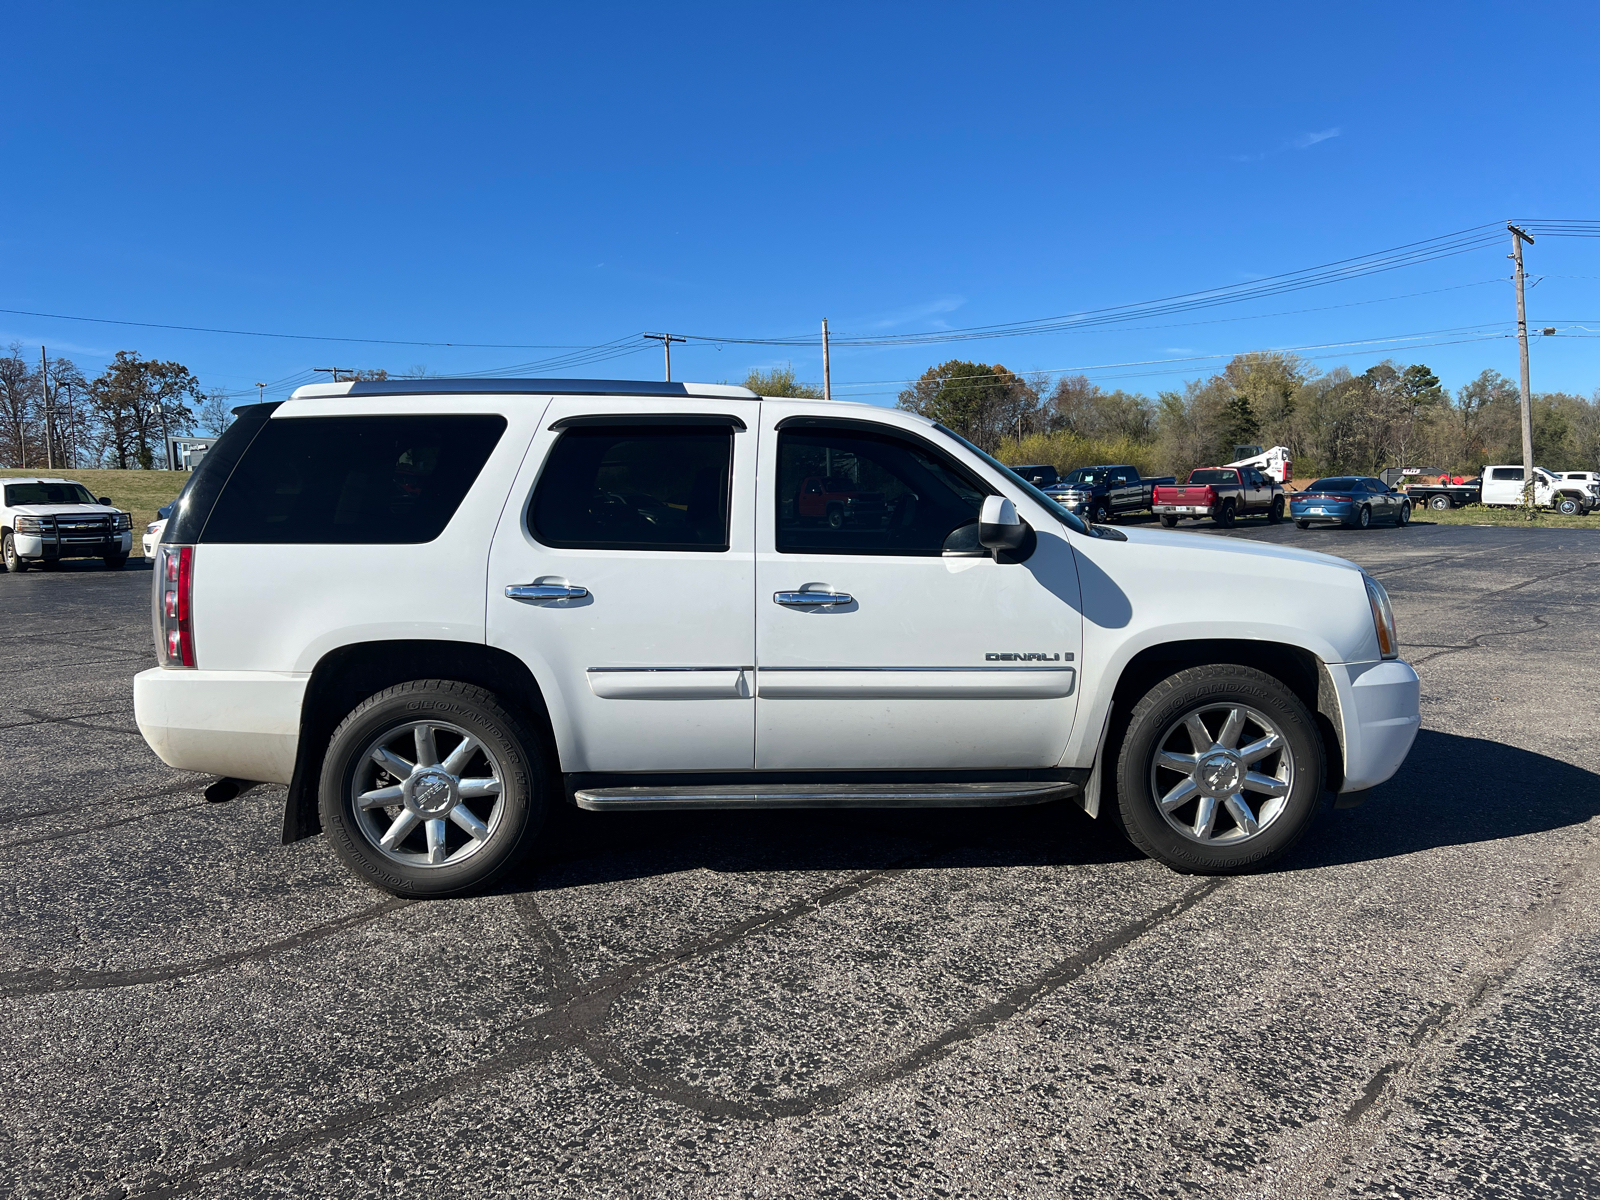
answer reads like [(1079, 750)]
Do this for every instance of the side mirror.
[(106, 500), (999, 527)]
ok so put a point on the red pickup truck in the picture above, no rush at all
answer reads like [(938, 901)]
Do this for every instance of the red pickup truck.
[(1222, 493), (837, 502)]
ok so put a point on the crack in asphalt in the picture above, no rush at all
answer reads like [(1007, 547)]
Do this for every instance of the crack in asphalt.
[(171, 789), (1476, 641), (577, 1012), (44, 980), (38, 719), (1448, 1025)]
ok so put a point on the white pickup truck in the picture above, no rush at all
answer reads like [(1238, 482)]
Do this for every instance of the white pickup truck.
[(1503, 487), (434, 609), (44, 520)]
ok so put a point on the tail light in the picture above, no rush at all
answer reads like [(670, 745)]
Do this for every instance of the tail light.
[(174, 606)]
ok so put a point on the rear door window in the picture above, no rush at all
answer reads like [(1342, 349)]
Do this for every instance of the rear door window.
[(371, 480), (635, 487)]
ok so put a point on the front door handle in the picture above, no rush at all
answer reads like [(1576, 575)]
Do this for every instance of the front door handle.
[(812, 599), (545, 591)]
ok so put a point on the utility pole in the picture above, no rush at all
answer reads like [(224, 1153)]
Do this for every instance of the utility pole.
[(335, 370), (49, 433), (666, 340), (261, 392), (1529, 489), (827, 375)]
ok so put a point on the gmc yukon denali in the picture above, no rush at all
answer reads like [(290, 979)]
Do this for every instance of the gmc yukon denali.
[(435, 609)]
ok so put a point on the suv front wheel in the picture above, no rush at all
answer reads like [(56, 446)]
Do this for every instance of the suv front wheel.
[(432, 789), (1221, 770)]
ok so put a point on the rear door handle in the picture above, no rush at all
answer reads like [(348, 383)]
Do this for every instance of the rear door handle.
[(812, 599), (545, 591)]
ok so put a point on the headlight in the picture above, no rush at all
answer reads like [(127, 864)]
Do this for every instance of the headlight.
[(124, 521), (30, 525), (1382, 618)]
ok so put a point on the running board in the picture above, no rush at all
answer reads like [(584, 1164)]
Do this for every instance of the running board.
[(808, 795)]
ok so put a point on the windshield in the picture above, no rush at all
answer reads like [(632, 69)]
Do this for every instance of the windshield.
[(1335, 485), (1055, 510), (1213, 476), (47, 493), (1085, 475)]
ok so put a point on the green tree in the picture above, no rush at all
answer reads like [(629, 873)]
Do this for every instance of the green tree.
[(985, 404), (780, 381), (141, 403), (1239, 423)]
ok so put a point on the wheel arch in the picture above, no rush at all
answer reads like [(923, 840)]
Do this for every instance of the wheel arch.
[(1296, 667), (348, 674)]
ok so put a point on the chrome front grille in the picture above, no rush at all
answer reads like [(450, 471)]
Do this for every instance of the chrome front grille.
[(69, 531)]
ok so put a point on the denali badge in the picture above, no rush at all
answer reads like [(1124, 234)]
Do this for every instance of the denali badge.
[(1020, 657)]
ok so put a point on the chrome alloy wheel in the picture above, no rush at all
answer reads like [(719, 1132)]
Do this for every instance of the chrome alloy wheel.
[(427, 794), (1222, 774)]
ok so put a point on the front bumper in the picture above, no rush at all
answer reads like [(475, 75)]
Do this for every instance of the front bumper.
[(38, 546), (1380, 708), (242, 724)]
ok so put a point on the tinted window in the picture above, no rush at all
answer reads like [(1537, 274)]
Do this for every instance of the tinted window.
[(881, 494), (352, 480), (1335, 484), (1213, 477), (635, 487), (47, 493), (1506, 473)]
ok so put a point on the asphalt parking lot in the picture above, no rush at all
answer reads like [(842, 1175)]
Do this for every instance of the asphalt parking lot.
[(836, 1004)]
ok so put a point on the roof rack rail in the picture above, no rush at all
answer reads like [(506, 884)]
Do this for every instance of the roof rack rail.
[(539, 387)]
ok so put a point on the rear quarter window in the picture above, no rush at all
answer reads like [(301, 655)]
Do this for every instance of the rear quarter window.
[(369, 480)]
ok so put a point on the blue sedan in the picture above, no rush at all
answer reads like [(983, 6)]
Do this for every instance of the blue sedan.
[(1354, 500)]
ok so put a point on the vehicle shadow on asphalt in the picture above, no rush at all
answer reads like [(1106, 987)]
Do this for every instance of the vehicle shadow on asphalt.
[(586, 848), (1454, 791)]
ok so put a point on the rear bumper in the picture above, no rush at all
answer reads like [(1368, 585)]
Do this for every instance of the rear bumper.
[(242, 724), (1381, 708), (1180, 510), (1322, 518)]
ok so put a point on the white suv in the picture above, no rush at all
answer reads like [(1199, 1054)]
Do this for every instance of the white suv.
[(44, 520), (434, 609)]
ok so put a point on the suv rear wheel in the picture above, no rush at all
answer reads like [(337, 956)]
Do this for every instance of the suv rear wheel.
[(1221, 770), (432, 789)]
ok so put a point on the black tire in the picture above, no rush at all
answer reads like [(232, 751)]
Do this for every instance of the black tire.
[(1439, 502), (1169, 522), (1302, 524), (1275, 513), (1225, 517), (525, 782), (114, 562), (1364, 517), (1161, 711), (1098, 514), (1568, 506), (835, 517), (1403, 518), (8, 554)]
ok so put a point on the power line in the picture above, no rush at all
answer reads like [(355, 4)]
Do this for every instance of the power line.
[(302, 337)]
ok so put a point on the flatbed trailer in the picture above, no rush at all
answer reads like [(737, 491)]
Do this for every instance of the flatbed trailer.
[(1445, 495)]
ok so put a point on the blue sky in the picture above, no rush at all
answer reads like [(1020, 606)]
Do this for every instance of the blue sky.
[(568, 175)]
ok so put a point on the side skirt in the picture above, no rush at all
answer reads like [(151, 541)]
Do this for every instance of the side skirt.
[(998, 789)]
